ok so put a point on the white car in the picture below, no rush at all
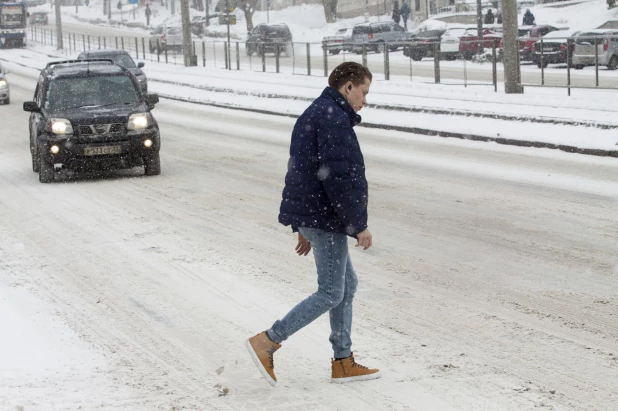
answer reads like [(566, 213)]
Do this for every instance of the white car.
[(5, 90), (449, 43)]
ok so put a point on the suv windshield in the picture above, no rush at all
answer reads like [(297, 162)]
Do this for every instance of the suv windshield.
[(174, 30), (277, 32), (124, 60), (93, 91)]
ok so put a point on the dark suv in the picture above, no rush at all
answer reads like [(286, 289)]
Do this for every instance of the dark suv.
[(90, 114), (270, 38)]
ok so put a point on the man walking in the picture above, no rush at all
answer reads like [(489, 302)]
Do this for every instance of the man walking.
[(405, 13), (325, 200)]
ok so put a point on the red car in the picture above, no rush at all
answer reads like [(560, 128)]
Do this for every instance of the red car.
[(469, 42), (528, 36)]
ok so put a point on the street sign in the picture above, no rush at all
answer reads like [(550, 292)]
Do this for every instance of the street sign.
[(133, 1), (225, 19)]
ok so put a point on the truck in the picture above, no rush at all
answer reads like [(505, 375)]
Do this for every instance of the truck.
[(12, 23)]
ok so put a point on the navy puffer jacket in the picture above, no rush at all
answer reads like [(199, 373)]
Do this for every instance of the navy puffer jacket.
[(325, 186)]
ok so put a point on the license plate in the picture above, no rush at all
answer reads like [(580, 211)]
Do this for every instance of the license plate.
[(550, 50), (96, 151)]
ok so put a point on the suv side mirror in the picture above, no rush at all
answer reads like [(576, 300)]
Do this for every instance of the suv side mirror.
[(140, 65), (151, 99), (31, 106)]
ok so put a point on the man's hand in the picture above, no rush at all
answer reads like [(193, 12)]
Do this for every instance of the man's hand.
[(364, 239), (303, 247)]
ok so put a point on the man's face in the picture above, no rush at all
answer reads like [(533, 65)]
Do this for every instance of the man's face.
[(357, 95)]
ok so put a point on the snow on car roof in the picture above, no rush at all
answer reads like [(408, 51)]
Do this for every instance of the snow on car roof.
[(561, 34)]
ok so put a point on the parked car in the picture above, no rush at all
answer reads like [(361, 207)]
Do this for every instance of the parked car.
[(606, 44), (89, 114), (124, 59), (338, 42), (5, 89), (38, 17), (375, 35), (449, 43), (526, 42), (423, 44), (270, 38), (554, 48), (469, 42), (164, 38), (528, 35)]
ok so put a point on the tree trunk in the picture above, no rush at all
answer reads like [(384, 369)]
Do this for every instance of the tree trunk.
[(249, 18), (330, 10)]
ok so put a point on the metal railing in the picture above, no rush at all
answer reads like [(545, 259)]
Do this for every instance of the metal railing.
[(566, 55), (433, 62)]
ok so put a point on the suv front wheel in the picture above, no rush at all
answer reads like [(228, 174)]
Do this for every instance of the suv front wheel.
[(46, 170), (152, 165)]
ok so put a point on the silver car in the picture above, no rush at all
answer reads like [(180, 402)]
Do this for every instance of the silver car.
[(166, 38), (376, 35), (5, 90), (340, 41), (606, 41)]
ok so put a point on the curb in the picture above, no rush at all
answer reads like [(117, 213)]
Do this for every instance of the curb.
[(423, 131)]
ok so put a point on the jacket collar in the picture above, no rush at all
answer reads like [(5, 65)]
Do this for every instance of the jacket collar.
[(337, 97)]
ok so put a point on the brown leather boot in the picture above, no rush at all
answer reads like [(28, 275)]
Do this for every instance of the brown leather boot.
[(261, 349), (347, 370)]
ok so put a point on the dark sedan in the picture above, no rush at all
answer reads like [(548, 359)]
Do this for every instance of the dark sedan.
[(423, 44)]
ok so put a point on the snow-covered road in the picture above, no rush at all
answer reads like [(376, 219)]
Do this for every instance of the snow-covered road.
[(491, 283)]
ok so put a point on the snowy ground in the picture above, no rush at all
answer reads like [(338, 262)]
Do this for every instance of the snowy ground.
[(491, 283)]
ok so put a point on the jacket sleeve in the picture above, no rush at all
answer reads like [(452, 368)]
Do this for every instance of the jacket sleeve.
[(335, 151)]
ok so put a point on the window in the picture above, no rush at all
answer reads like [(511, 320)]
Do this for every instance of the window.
[(92, 91), (417, 5), (361, 30), (397, 27)]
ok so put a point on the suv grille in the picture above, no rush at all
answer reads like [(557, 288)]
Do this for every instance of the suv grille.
[(97, 129)]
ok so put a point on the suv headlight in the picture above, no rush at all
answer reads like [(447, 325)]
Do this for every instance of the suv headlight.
[(3, 83), (59, 126), (138, 121)]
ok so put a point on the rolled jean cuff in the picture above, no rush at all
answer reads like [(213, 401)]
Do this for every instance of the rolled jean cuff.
[(274, 336), (343, 354)]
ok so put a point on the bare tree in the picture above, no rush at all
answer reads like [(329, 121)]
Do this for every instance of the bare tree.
[(248, 7), (330, 10)]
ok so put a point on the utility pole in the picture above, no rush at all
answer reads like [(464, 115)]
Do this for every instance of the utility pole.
[(479, 24), (186, 32), (228, 63), (512, 70), (207, 5), (174, 7), (366, 11), (59, 45)]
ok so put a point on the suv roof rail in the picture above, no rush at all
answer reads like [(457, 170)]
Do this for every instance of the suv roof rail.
[(54, 63)]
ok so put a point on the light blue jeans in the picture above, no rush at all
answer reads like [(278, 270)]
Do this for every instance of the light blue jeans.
[(337, 284)]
